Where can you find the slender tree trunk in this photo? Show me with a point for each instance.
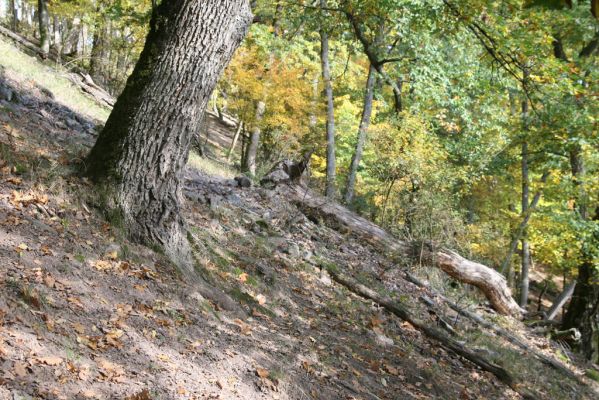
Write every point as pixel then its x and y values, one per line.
pixel 330 190
pixel 583 310
pixel 524 271
pixel 96 60
pixel 44 26
pixel 252 151
pixel 138 159
pixel 525 265
pixel 234 141
pixel 561 300
pixel 57 37
pixel 71 43
pixel 14 20
pixel 506 265
pixel 362 132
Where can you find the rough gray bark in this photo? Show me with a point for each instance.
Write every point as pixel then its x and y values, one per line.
pixel 330 188
pixel 44 26
pixel 362 132
pixel 252 151
pixel 138 159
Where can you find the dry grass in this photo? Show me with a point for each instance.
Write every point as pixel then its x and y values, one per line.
pixel 23 68
pixel 211 167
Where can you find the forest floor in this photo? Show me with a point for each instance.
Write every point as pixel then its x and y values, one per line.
pixel 85 314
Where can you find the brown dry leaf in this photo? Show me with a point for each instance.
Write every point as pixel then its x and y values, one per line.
pixel 143 395
pixel 307 365
pixel 261 299
pixel 20 369
pixel 14 180
pixel 262 372
pixel 50 360
pixel 112 338
pixel 102 265
pixel 79 328
pixel 75 301
pixel 245 328
pixel 49 281
pixel 90 394
pixel 109 369
pixel 46 251
pixel 258 314
pixel 21 247
pixel 49 322
pixel 375 321
pixel 139 288
pixel 391 369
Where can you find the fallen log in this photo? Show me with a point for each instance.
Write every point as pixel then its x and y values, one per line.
pixel 431 332
pixel 545 359
pixel 489 281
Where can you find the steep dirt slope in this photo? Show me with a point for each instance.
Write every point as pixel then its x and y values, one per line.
pixel 84 314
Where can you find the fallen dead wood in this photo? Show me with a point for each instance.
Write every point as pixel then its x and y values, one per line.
pixel 431 332
pixel 87 85
pixel 489 281
pixel 553 363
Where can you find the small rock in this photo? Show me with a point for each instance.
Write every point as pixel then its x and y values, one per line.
pixel 293 250
pixel 243 181
pixel 6 93
pixel 234 199
pixel 214 201
pixel 383 340
pixel 325 279
pixel 71 123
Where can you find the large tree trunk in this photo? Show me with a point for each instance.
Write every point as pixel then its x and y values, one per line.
pixel 44 26
pixel 330 189
pixel 362 131
pixel 138 159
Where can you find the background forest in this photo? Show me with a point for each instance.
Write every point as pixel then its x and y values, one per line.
pixel 468 123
